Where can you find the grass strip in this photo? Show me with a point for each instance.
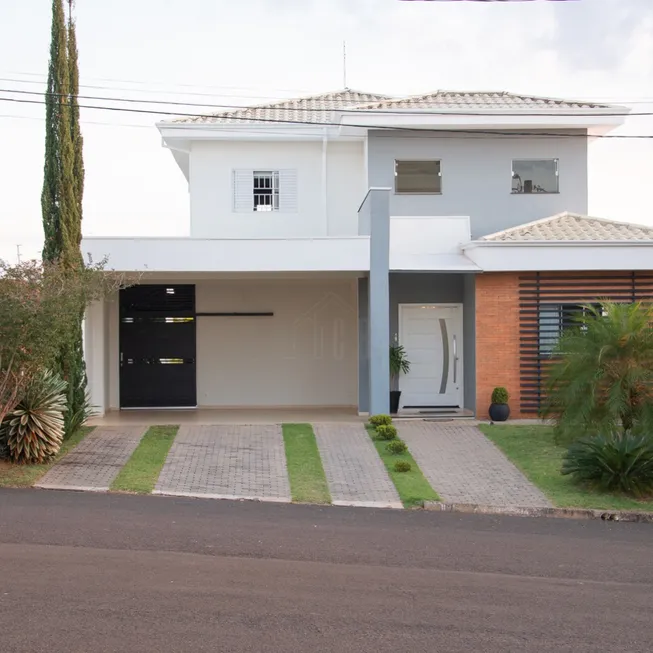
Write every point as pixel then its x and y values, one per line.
pixel 142 470
pixel 12 475
pixel 308 482
pixel 412 486
pixel 534 451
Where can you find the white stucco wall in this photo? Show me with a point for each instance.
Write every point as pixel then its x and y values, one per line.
pixel 319 213
pixel 304 355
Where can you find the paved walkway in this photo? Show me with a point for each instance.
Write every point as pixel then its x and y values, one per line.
pixel 96 461
pixel 227 461
pixel 355 473
pixel 463 466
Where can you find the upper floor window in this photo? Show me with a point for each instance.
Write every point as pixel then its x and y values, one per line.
pixel 418 177
pixel 264 190
pixel 535 176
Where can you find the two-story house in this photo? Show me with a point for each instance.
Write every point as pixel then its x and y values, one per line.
pixel 325 228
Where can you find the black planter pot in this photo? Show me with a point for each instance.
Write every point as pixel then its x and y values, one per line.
pixel 499 412
pixel 394 401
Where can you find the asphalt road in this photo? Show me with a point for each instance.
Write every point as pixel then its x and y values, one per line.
pixel 84 573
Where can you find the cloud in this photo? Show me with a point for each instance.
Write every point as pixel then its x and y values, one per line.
pixel 593 34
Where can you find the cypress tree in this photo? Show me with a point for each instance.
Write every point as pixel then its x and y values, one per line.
pixel 63 186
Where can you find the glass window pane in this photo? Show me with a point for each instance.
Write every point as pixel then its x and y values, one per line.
pixel 418 177
pixel 535 176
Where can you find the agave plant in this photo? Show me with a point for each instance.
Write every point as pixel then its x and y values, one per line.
pixel 35 427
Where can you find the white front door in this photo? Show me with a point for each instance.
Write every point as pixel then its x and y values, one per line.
pixel 432 338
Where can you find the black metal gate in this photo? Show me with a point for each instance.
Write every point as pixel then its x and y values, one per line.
pixel 157 346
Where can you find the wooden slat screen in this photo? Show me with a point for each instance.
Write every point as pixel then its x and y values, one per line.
pixel 539 289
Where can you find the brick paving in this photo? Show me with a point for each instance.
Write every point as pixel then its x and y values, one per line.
pixel 227 461
pixel 96 461
pixel 463 466
pixel 355 473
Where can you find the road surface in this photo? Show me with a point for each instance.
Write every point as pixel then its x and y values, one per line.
pixel 85 573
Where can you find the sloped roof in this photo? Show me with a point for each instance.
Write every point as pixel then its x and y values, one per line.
pixel 570 227
pixel 322 109
pixel 480 101
pixel 314 109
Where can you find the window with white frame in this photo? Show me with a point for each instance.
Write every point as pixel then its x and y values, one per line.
pixel 264 190
pixel 418 177
pixel 532 176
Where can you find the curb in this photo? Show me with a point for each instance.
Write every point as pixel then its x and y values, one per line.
pixel 556 513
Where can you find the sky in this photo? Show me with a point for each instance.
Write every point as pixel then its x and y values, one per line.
pixel 227 52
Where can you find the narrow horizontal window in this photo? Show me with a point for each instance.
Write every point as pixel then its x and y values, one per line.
pixel 533 176
pixel 418 177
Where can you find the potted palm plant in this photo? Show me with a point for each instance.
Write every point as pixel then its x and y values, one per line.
pixel 499 410
pixel 399 364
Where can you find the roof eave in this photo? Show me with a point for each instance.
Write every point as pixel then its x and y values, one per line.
pixel 558 243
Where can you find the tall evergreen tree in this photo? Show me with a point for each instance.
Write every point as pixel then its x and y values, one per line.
pixel 57 132
pixel 63 187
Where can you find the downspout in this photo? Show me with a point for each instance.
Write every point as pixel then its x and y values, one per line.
pixel 325 197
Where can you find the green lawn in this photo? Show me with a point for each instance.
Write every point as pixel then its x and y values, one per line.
pixel 142 470
pixel 308 482
pixel 26 475
pixel 412 487
pixel 534 451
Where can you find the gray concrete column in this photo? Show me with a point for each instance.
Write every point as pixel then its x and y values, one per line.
pixel 379 300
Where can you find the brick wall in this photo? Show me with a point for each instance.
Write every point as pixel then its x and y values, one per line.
pixel 497 338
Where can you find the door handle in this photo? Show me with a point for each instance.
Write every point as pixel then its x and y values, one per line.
pixel 455 360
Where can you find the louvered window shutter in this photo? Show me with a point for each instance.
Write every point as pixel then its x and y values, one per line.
pixel 288 191
pixel 243 191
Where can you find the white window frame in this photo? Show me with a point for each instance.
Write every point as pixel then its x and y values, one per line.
pixel 414 160
pixel 275 185
pixel 556 163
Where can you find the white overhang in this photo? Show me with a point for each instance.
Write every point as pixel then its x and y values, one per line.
pixel 550 255
pixel 596 121
pixel 230 255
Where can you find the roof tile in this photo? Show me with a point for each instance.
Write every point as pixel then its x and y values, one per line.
pixel 568 227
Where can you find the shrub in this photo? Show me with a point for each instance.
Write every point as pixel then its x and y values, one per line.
pixel 601 377
pixel 4 446
pixel 615 462
pixel 386 432
pixel 402 466
pixel 75 419
pixel 396 447
pixel 500 395
pixel 380 420
pixel 35 427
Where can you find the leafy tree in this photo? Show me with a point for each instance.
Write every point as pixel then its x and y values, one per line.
pixel 40 304
pixel 601 376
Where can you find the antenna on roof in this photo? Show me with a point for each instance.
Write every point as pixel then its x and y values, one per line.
pixel 344 64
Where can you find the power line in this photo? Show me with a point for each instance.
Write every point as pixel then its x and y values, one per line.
pixel 351 110
pixel 475 132
pixel 303 92
pixel 174 84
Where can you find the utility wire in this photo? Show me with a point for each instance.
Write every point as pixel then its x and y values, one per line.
pixel 474 132
pixel 351 110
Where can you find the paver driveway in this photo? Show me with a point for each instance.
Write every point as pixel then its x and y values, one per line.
pixel 227 461
pixel 96 461
pixel 355 473
pixel 463 466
